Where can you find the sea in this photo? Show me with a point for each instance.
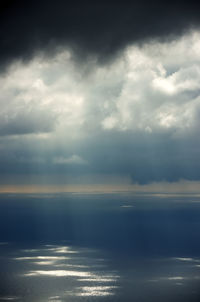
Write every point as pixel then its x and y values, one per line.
pixel 100 247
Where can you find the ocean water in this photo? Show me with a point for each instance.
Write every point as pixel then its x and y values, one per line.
pixel 99 247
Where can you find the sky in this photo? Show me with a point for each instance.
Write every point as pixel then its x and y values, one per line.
pixel 101 94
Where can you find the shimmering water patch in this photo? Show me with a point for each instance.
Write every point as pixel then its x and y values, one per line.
pixel 54 273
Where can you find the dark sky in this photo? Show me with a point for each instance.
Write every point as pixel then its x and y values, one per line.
pixel 100 28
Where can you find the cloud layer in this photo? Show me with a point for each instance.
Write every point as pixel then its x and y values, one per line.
pixel 135 117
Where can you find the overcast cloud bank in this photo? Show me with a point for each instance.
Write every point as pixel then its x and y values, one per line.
pixel 136 116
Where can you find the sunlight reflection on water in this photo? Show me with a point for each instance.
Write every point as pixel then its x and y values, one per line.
pixel 83 275
pixel 81 271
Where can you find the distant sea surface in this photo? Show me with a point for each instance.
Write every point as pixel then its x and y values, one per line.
pixel 99 247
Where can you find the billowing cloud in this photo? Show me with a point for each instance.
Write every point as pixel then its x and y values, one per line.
pixel 135 117
pixel 26 121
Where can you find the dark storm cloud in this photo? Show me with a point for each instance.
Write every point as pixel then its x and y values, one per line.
pixel 99 28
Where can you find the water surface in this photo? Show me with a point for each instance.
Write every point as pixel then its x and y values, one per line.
pixel 99 247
